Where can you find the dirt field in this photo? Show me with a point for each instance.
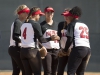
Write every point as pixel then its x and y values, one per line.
pixel 9 73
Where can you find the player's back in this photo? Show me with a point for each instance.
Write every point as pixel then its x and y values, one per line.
pixel 81 34
pixel 27 35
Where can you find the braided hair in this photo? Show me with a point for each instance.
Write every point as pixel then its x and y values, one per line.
pixel 32 10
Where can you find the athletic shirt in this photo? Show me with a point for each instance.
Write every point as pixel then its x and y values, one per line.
pixel 49 30
pixel 28 30
pixel 62 32
pixel 15 32
pixel 79 32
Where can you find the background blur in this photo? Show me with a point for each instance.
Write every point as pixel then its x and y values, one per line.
pixel 90 16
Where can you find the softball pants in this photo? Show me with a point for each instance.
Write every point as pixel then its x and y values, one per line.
pixel 78 60
pixel 62 64
pixel 14 52
pixel 50 62
pixel 31 61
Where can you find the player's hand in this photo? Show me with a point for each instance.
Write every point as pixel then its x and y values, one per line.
pixel 61 53
pixel 43 51
pixel 68 52
pixel 55 37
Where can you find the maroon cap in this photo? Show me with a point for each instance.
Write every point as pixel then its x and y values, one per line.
pixel 64 13
pixel 49 9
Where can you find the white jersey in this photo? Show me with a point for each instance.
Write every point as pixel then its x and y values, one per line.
pixel 27 35
pixel 64 39
pixel 15 29
pixel 50 44
pixel 81 35
pixel 12 42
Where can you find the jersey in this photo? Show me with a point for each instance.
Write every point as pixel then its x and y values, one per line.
pixel 15 28
pixel 12 42
pixel 62 32
pixel 80 33
pixel 48 31
pixel 28 30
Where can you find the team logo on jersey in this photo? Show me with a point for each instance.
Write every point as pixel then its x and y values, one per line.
pixel 49 33
pixel 51 44
pixel 63 32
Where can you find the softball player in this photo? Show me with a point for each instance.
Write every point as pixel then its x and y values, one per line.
pixel 30 55
pixel 15 41
pixel 62 31
pixel 78 33
pixel 49 28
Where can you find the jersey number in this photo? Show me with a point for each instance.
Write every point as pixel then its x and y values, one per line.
pixel 84 30
pixel 24 33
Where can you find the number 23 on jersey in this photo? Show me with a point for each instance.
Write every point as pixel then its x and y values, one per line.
pixel 84 32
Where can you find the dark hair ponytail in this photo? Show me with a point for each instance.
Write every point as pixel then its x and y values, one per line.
pixel 31 11
pixel 76 11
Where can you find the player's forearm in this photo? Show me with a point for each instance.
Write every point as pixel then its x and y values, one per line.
pixel 16 38
pixel 59 32
pixel 44 40
pixel 68 43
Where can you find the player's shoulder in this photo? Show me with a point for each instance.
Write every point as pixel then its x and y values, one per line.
pixel 81 23
pixel 43 23
pixel 34 23
pixel 73 23
pixel 17 21
pixel 55 23
pixel 61 23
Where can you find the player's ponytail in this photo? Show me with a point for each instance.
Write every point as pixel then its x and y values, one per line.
pixel 32 10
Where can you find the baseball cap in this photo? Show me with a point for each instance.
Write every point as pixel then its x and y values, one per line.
pixel 38 12
pixel 49 9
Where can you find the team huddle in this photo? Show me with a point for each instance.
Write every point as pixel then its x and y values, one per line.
pixel 49 44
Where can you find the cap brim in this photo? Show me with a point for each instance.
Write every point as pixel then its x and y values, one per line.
pixel 41 14
pixel 63 14
pixel 66 15
pixel 51 10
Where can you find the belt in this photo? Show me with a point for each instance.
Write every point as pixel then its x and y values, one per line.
pixel 52 49
pixel 28 47
pixel 13 46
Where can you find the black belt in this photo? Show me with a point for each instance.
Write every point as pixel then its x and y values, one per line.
pixel 52 49
pixel 29 47
pixel 12 46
